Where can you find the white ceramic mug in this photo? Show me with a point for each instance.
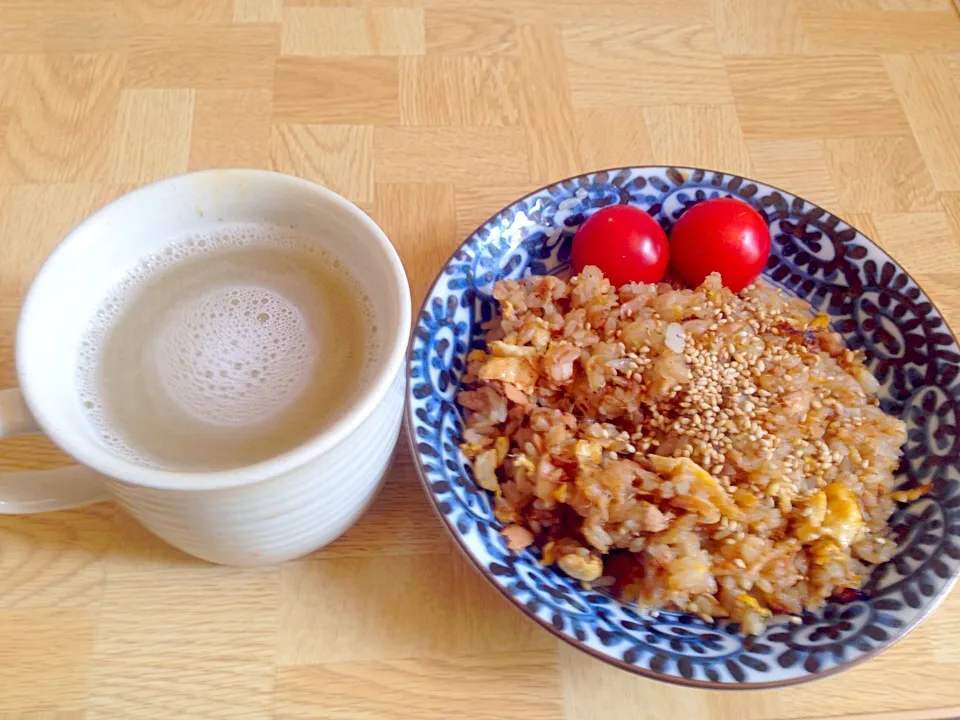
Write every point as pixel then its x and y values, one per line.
pixel 263 513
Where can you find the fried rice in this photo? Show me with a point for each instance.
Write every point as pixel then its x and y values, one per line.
pixel 698 450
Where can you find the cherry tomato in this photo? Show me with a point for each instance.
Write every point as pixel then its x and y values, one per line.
pixel 624 242
pixel 721 235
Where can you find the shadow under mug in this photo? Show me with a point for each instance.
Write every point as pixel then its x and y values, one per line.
pixel 264 513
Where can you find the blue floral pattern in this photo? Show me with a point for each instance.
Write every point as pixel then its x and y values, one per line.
pixel 874 303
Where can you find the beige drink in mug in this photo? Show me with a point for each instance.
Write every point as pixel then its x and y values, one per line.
pixel 222 352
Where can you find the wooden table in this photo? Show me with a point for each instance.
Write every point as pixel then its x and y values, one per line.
pixel 430 114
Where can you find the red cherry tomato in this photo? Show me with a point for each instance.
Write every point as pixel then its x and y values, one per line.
pixel 721 235
pixel 624 242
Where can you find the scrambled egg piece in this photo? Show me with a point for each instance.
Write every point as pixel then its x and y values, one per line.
pixel 843 521
pixel 834 522
pixel 820 321
pixel 824 550
pixel 485 471
pixel 581 568
pixel 524 463
pixel 588 452
pixel 676 467
pixel 501 445
pixel 498 348
pixel 514 370
pixel 701 506
pixel 692 574
pixel 505 514
pixel 546 553
pixel 751 602
pixel 745 498
pixel 470 449
pixel 911 494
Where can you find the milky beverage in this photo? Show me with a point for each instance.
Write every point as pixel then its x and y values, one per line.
pixel 225 349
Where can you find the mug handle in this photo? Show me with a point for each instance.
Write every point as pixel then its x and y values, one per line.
pixel 33 491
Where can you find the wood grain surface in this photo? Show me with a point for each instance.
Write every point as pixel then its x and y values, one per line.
pixel 431 114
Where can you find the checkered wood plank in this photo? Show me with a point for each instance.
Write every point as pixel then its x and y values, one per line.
pixel 430 114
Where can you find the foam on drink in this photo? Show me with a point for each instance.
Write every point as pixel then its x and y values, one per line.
pixel 224 349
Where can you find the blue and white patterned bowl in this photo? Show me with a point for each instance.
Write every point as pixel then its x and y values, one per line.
pixel 872 301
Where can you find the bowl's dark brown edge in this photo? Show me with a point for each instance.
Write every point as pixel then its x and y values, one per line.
pixel 572 641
